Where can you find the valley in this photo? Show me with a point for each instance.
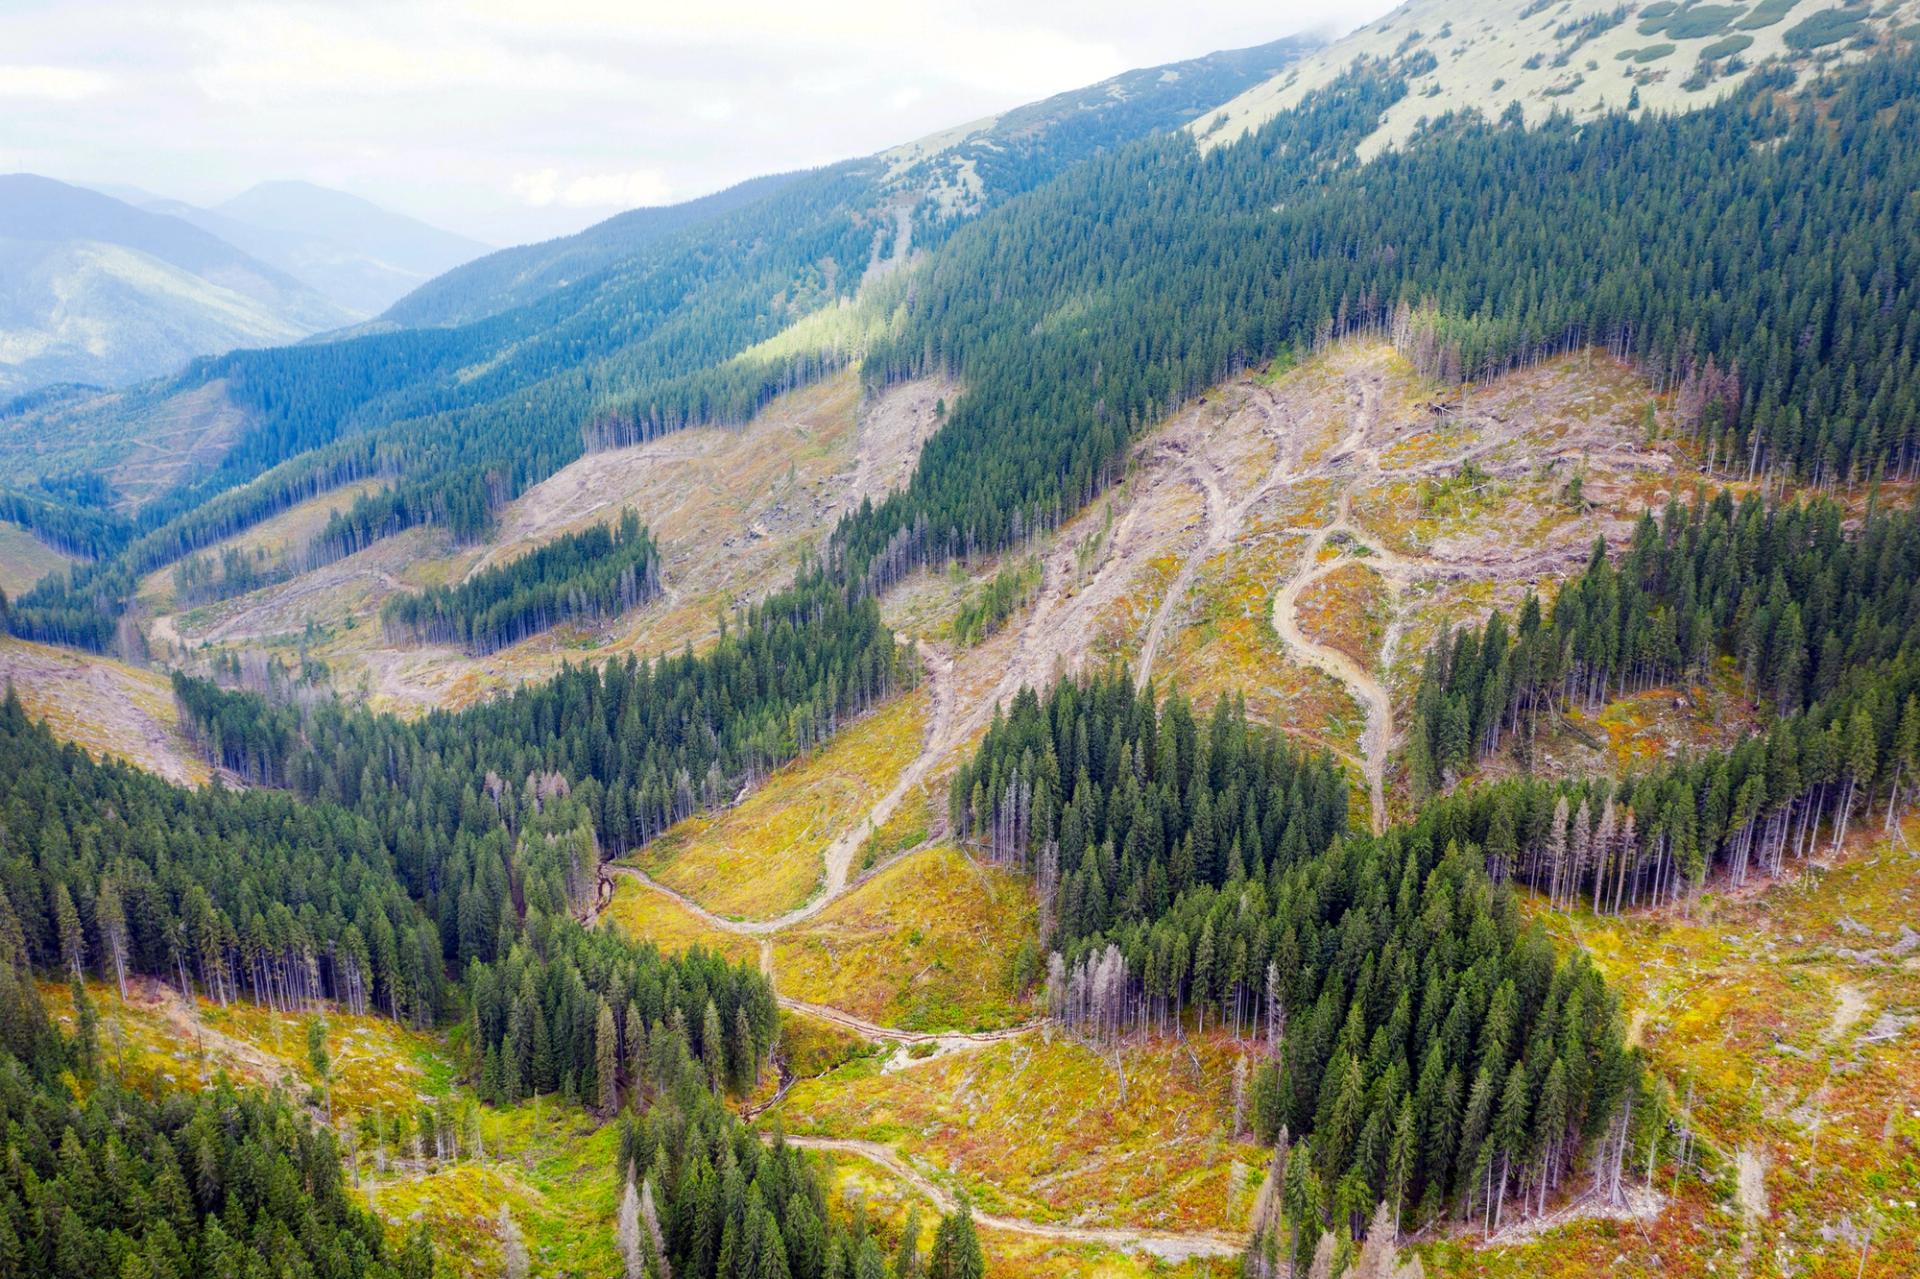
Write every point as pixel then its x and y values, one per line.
pixel 1303 675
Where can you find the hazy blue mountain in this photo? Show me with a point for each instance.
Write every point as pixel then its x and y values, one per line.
pixel 362 256
pixel 95 290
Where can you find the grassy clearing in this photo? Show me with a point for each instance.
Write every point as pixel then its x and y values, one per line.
pixel 811 1047
pixel 857 1186
pixel 155 1038
pixel 25 559
pixel 289 531
pixel 1348 610
pixel 763 856
pixel 552 1166
pixel 908 827
pixel 641 912
pixel 1230 644
pixel 1637 732
pixel 105 706
pixel 930 943
pixel 1788 1014
pixel 925 602
pixel 1044 1129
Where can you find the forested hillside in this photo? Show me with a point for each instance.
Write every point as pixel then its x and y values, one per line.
pixel 1189 701
pixel 599 573
pixel 1822 623
pixel 1434 1049
pixel 1166 272
pixel 470 415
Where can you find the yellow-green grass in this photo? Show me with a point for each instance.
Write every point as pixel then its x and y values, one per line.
pixel 25 559
pixel 1785 1015
pixel 908 827
pixel 924 603
pixel 157 1038
pixel 1347 610
pixel 1643 729
pixel 1636 732
pixel 929 943
pixel 290 531
pixel 1045 1129
pixel 552 1166
pixel 763 856
pixel 640 911
pixel 811 1046
pixel 376 1063
pixel 105 706
pixel 1229 644
pixel 856 1185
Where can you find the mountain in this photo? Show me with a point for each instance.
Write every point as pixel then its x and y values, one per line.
pixel 517 353
pixel 95 290
pixel 511 277
pixel 942 180
pixel 1579 57
pixel 351 250
pixel 1244 705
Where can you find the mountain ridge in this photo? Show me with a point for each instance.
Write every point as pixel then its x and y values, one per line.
pixel 94 290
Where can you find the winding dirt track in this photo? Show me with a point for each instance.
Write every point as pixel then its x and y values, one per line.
pixel 1224 523
pixel 887 1034
pixel 839 865
pixel 840 853
pixel 1377 741
pixel 1169 1246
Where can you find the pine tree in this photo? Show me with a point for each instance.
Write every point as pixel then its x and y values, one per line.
pixel 606 1060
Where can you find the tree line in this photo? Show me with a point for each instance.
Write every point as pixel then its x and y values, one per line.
pixel 1818 621
pixel 1421 1046
pixel 598 572
pixel 706 1198
pixel 1754 257
pixel 100 1178
pixel 642 743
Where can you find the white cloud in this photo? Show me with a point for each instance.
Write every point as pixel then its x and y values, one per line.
pixel 635 189
pixel 53 84
pixel 521 119
pixel 261 52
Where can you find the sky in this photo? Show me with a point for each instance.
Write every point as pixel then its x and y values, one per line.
pixel 517 120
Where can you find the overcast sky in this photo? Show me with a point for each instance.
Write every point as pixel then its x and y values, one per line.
pixel 512 120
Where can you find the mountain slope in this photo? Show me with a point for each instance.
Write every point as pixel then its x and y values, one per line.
pixel 95 290
pixel 511 277
pixel 953 173
pixel 1582 57
pixel 360 255
pixel 467 416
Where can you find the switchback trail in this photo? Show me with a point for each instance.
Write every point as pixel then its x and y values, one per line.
pixel 1173 1246
pixel 840 853
pixel 839 863
pixel 1377 741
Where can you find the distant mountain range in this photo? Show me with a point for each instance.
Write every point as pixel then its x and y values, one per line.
pixel 115 286
pixel 95 290
pixel 357 254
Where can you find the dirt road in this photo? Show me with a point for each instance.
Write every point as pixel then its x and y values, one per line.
pixel 1377 741
pixel 840 853
pixel 1168 1245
